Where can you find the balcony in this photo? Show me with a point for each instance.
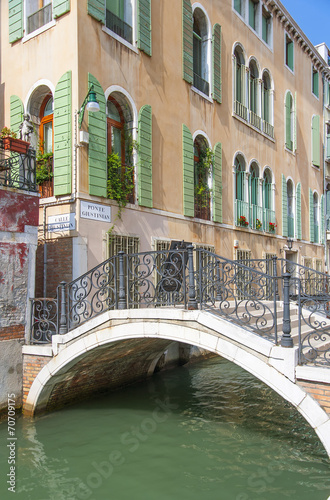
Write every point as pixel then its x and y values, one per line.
pixel 39 18
pixel 18 170
pixel 118 26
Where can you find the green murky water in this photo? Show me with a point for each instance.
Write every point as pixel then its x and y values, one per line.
pixel 207 431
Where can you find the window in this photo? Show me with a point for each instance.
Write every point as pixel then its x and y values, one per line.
pixel 46 125
pixel 238 6
pixel 268 200
pixel 266 26
pixel 239 83
pixel 289 121
pixel 315 82
pixel 316 148
pixel 327 147
pixel 38 13
pixel 316 215
pixel 256 216
pixel 253 14
pixel 254 117
pixel 267 105
pixel 202 178
pixel 241 204
pixel 120 144
pixel 290 208
pixel 201 44
pixel 289 52
pixel 119 18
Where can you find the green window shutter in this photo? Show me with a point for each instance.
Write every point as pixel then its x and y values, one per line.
pixel 15 20
pixel 187 41
pixel 288 134
pixel 322 219
pixel 289 53
pixel 328 144
pixel 16 113
pixel 216 61
pixel 62 135
pixel 188 172
pixel 298 211
pixel 295 123
pixel 96 9
pixel 316 153
pixel 311 216
pixel 144 26
pixel 217 183
pixel 60 7
pixel 97 150
pixel 284 207
pixel 145 156
pixel 316 83
pixel 251 14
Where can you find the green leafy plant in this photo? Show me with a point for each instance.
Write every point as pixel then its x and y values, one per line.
pixel 44 170
pixel 7 132
pixel 203 170
pixel 120 183
pixel 258 224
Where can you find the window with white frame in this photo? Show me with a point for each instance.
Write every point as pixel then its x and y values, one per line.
pixel 119 18
pixel 268 202
pixel 201 52
pixel 290 208
pixel 254 112
pixel 256 216
pixel 289 121
pixel 239 83
pixel 289 52
pixel 315 82
pixel 37 13
pixel 241 196
pixel 267 105
pixel 257 17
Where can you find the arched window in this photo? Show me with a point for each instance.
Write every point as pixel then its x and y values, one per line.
pixel 241 205
pixel 254 196
pixel 202 178
pixel 120 145
pixel 267 105
pixel 239 83
pixel 269 212
pixel 254 117
pixel 289 121
pixel 290 208
pixel 46 125
pixel 201 42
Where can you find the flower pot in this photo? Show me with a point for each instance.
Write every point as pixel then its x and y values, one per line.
pixel 16 145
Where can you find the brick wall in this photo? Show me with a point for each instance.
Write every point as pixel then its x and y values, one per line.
pixel 12 332
pixel 319 391
pixel 32 364
pixel 59 265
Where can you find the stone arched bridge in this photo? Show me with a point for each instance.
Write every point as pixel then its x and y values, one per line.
pixel 112 325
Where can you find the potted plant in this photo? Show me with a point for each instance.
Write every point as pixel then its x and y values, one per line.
pixel 10 141
pixel 272 226
pixel 44 173
pixel 242 221
pixel 258 224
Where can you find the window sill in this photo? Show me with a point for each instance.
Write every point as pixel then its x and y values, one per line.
pixel 120 39
pixel 206 97
pixel 293 153
pixel 40 30
pixel 288 68
pixel 316 96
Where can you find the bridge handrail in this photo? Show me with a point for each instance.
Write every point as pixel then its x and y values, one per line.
pixel 240 291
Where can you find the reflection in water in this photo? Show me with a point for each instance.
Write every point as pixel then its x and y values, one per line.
pixel 206 431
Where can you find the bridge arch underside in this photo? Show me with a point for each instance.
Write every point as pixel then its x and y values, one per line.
pixel 113 355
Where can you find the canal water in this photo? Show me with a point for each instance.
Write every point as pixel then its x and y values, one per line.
pixel 205 431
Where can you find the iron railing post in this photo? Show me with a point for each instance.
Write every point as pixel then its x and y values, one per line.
pixel 274 259
pixel 192 302
pixel 122 292
pixel 286 340
pixel 63 323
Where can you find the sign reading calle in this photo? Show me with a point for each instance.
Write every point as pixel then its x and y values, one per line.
pixel 94 211
pixel 62 222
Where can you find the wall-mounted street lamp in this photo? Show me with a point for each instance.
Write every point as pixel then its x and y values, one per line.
pixel 90 103
pixel 289 243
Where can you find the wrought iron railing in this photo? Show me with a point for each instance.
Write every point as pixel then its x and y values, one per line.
pixel 39 18
pixel 201 84
pixel 256 217
pixel 18 170
pixel 118 26
pixel 254 294
pixel 242 209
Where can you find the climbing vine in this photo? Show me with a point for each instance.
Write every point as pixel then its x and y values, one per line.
pixel 203 169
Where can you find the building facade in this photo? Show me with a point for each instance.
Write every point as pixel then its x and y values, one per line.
pixel 212 128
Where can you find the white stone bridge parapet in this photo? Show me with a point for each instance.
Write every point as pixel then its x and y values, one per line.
pixel 116 344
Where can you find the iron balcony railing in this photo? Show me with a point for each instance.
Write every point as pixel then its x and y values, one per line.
pixel 256 217
pixel 200 84
pixel 254 294
pixel 268 128
pixel 39 18
pixel 242 213
pixel 241 110
pixel 254 119
pixel 118 26
pixel 18 170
